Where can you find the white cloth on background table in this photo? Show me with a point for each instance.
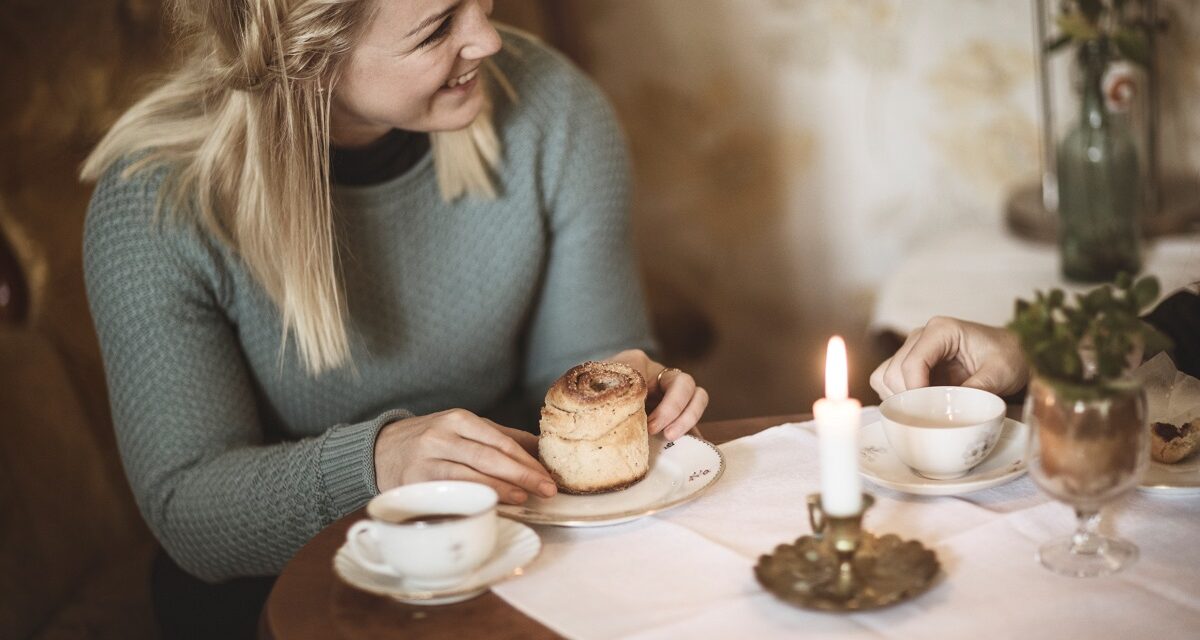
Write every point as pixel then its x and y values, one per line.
pixel 688 573
pixel 978 274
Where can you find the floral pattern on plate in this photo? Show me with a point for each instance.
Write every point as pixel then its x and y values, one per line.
pixel 679 472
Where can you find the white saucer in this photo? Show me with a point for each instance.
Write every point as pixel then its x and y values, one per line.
pixel 679 472
pixel 878 464
pixel 516 546
pixel 1179 479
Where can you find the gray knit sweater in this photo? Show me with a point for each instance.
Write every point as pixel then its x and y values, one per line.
pixel 236 455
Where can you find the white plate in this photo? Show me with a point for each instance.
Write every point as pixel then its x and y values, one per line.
pixel 679 471
pixel 1181 478
pixel 516 546
pixel 1006 462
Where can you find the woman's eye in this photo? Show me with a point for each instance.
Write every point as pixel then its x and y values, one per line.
pixel 438 34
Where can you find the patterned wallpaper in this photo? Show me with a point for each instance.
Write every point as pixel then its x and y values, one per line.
pixel 791 152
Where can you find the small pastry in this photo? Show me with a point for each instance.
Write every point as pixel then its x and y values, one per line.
pixel 593 429
pixel 1170 443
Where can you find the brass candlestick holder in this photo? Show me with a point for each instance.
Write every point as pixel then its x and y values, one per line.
pixel 841 567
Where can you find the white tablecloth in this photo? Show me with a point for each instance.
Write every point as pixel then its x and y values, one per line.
pixel 688 573
pixel 977 274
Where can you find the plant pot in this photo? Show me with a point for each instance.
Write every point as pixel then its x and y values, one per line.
pixel 1092 442
pixel 1088 444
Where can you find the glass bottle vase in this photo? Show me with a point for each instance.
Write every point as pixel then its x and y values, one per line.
pixel 1100 183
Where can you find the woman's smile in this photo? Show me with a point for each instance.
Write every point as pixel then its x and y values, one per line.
pixel 465 81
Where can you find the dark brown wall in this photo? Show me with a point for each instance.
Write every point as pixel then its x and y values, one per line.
pixel 70 68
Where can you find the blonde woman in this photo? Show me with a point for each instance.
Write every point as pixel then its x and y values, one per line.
pixel 322 251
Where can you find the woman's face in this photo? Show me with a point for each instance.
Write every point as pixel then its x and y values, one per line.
pixel 416 67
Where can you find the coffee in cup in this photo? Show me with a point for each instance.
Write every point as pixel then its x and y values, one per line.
pixel 942 432
pixel 432 534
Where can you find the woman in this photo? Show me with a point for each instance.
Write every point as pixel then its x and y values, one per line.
pixel 320 253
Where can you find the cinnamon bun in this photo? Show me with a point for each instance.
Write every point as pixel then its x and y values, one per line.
pixel 593 429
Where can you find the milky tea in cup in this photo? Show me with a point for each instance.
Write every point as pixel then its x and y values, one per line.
pixel 433 534
pixel 942 432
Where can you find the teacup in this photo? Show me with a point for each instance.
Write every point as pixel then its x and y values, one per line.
pixel 432 534
pixel 942 433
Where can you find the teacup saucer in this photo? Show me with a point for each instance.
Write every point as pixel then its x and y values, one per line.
pixel 516 546
pixel 878 464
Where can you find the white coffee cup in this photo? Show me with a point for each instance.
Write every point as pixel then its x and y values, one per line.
pixel 432 534
pixel 942 432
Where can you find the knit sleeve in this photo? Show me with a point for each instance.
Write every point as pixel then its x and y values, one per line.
pixel 591 303
pixel 220 499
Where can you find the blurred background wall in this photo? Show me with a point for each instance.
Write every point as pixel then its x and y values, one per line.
pixel 791 153
pixel 788 154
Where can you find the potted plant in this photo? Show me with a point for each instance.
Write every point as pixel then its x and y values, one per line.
pixel 1089 441
pixel 1100 173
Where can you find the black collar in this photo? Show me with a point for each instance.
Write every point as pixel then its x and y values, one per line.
pixel 386 158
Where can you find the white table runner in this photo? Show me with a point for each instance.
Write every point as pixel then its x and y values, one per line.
pixel 688 573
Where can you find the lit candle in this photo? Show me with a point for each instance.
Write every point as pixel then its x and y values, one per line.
pixel 837 417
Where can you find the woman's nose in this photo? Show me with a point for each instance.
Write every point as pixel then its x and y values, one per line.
pixel 480 38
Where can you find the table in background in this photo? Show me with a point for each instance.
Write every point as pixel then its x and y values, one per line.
pixel 977 274
pixel 310 601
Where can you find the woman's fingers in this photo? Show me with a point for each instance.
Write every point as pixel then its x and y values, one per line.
pixel 486 448
pixel 689 417
pixel 527 441
pixel 513 442
pixel 420 448
pixel 678 389
pixel 492 462
pixel 451 470
pixel 682 403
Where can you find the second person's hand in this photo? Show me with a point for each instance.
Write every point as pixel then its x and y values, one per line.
pixel 954 352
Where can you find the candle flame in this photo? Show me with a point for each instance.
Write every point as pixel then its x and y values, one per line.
pixel 836 375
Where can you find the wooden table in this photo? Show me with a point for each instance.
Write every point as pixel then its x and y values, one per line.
pixel 309 601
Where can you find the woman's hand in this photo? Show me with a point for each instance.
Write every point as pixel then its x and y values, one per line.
pixel 681 402
pixel 954 352
pixel 459 445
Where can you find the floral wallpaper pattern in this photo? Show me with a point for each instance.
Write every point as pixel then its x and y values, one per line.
pixel 789 153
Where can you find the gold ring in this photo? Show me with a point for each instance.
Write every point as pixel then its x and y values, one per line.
pixel 658 378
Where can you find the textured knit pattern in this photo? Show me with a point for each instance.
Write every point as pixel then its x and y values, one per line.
pixel 236 455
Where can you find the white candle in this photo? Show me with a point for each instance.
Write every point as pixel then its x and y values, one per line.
pixel 837 417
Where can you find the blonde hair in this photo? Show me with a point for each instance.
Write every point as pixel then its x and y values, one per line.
pixel 243 127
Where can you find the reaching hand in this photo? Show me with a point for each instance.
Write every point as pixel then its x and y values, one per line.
pixel 459 445
pixel 954 352
pixel 682 402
